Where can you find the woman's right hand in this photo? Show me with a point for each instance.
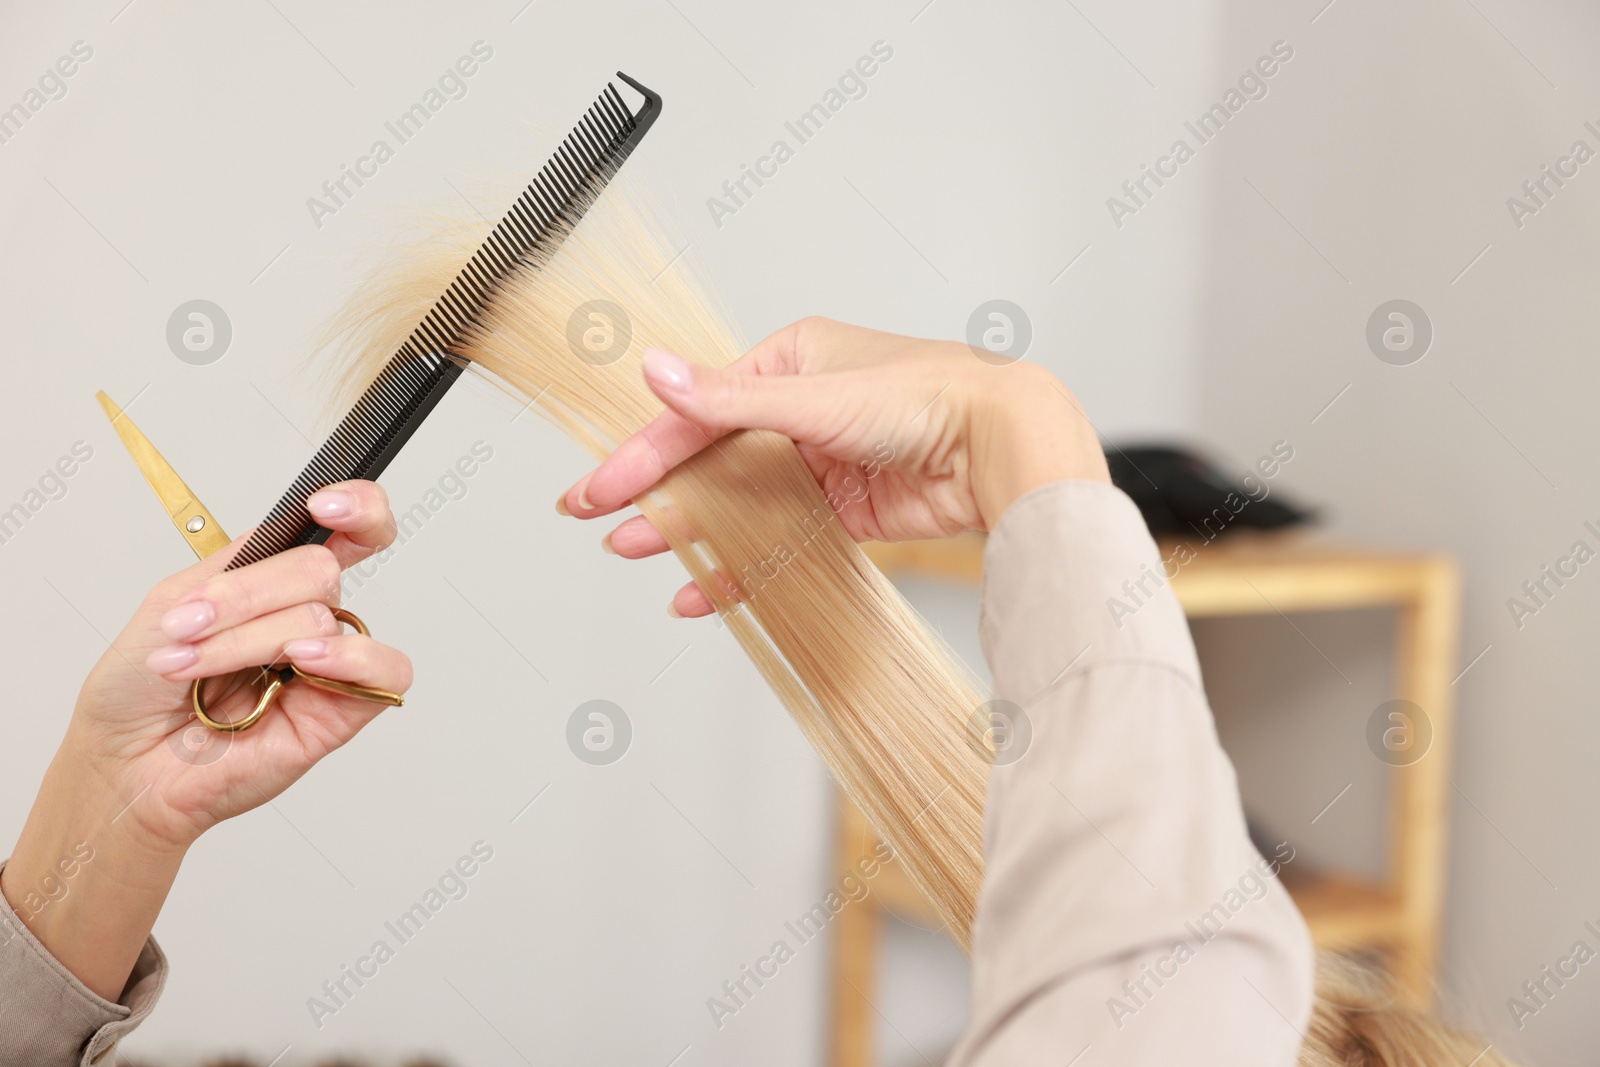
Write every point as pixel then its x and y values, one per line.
pixel 909 438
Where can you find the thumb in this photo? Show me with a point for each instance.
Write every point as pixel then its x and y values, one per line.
pixel 818 410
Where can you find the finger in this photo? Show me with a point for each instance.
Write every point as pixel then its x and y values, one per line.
pixel 358 513
pixel 172 588
pixel 635 539
pixel 222 601
pixel 669 439
pixel 814 409
pixel 353 658
pixel 250 644
pixel 634 466
pixel 705 403
pixel 690 603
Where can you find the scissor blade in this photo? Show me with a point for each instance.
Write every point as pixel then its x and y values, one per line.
pixel 194 522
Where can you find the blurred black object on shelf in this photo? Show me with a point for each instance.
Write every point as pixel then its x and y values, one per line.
pixel 1181 494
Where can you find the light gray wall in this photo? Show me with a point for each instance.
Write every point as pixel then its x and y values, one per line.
pixel 1380 169
pixel 977 166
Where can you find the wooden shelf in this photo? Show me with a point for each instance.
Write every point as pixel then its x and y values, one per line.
pixel 1249 574
pixel 1342 912
pixel 1246 574
pixel 1349 913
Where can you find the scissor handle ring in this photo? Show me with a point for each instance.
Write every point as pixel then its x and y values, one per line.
pixel 269 693
pixel 275 678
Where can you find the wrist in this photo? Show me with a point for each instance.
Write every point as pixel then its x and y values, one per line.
pixel 1030 433
pixel 86 878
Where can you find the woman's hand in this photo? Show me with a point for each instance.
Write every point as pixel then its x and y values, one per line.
pixel 133 720
pixel 137 778
pixel 943 441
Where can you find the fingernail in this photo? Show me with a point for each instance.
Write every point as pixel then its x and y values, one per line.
pixel 171 658
pixel 605 545
pixel 306 648
pixel 583 496
pixel 667 370
pixel 186 620
pixel 672 609
pixel 331 504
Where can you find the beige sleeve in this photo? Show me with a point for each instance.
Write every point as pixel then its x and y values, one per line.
pixel 1125 917
pixel 50 1019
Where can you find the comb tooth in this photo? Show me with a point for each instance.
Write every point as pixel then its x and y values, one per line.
pixel 571 141
pixel 530 218
pixel 545 200
pixel 555 177
pixel 460 308
pixel 489 257
pixel 475 272
pixel 599 121
pixel 513 223
pixel 588 137
pixel 608 103
pixel 503 256
pixel 611 104
pixel 572 166
pixel 435 337
pixel 614 99
pixel 529 205
pixel 591 138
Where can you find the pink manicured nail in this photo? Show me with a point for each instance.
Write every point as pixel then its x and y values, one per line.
pixel 583 497
pixel 306 648
pixel 606 545
pixel 672 609
pixel 331 504
pixel 186 620
pixel 667 370
pixel 171 658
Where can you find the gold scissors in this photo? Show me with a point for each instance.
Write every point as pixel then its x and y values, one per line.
pixel 204 534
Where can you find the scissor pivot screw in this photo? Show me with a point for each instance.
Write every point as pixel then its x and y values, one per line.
pixel 196 524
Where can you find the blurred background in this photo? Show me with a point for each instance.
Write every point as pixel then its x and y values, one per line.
pixel 1396 152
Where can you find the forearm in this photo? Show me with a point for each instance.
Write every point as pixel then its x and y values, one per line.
pixel 1120 880
pixel 84 878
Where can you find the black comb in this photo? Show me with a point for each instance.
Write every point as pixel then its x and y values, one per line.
pixel 418 375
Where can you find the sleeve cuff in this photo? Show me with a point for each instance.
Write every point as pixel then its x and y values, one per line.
pixel 50 1017
pixel 1072 579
